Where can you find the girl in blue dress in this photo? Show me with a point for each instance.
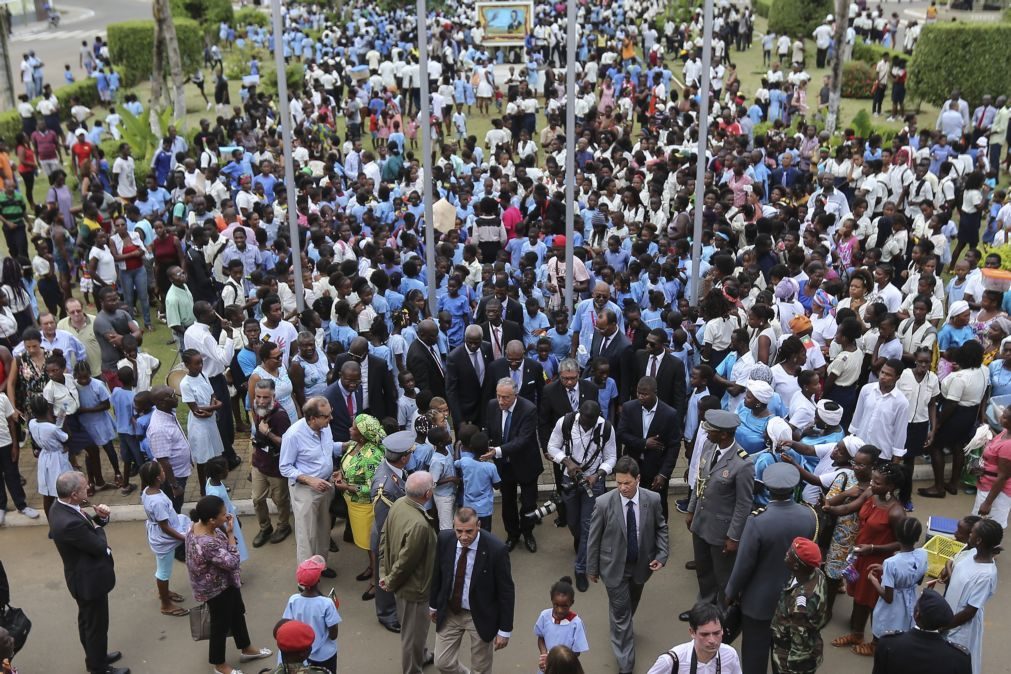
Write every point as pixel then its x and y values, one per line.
pixel 558 625
pixel 217 471
pixel 93 413
pixel 607 389
pixel 900 575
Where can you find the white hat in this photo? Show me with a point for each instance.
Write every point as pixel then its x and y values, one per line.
pixel 982 141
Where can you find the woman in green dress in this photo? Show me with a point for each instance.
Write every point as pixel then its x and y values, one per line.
pixel 362 455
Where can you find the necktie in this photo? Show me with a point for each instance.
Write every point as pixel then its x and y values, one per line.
pixel 603 345
pixel 351 405
pixel 574 399
pixel 652 369
pixel 505 426
pixel 515 375
pixel 478 370
pixel 716 459
pixel 456 601
pixel 438 360
pixel 632 534
pixel 496 342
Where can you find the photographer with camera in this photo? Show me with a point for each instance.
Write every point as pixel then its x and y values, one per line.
pixel 583 443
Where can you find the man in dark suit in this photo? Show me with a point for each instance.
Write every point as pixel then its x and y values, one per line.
pixel 467 557
pixel 649 431
pixel 348 386
pixel 511 309
pixel 625 562
pixel 511 424
pixel 88 568
pixel 669 372
pixel 466 372
pixel 526 373
pixel 379 393
pixel 497 332
pixel 560 397
pixel 424 360
pixel 610 343
pixel 786 175
pixel 923 648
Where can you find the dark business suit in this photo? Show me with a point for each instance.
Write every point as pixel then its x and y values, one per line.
pixel 383 392
pixel 90 574
pixel 633 439
pixel 785 177
pixel 670 383
pixel 464 389
pixel 428 374
pixel 916 652
pixel 340 421
pixel 616 353
pixel 520 463
pixel 491 598
pixel 511 331
pixel 531 379
pixel 512 310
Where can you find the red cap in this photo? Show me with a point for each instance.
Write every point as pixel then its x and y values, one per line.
pixel 807 551
pixel 294 637
pixel 559 240
pixel 309 571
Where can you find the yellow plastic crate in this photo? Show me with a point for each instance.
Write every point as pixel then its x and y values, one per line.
pixel 940 549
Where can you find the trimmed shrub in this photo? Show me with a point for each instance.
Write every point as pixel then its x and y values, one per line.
pixel 798 18
pixel 962 55
pixel 762 7
pixel 871 53
pixel 249 15
pixel 294 75
pixel 857 80
pixel 211 12
pixel 131 46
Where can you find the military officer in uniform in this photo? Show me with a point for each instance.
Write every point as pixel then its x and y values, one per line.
pixel 387 487
pixel 720 504
pixel 923 648
pixel 759 573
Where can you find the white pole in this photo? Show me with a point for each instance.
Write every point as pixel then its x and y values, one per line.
pixel 570 155
pixel 700 165
pixel 289 162
pixel 426 154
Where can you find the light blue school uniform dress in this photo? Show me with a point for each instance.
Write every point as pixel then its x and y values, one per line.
pixel 52 459
pixel 902 572
pixel 222 493
pixel 99 425
pixel 569 632
pixel 205 440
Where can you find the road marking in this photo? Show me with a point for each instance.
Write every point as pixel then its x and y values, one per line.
pixel 49 35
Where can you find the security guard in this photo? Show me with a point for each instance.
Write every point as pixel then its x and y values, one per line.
pixel 387 487
pixel 759 572
pixel 720 504
pixel 923 648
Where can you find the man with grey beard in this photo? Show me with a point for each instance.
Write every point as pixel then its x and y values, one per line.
pixel 269 421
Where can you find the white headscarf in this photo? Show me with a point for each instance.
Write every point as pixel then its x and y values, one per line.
pixel 853 444
pixel 761 390
pixel 778 431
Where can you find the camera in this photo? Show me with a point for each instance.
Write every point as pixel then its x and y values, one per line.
pixel 543 510
pixel 579 481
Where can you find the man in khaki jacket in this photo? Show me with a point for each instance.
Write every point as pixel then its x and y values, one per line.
pixel 408 544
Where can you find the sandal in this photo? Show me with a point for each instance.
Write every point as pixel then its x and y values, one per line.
pixel 370 593
pixel 128 489
pixel 848 640
pixel 866 648
pixel 118 480
pixel 176 597
pixel 178 611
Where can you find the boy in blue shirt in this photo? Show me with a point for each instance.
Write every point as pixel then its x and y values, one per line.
pixel 122 400
pixel 480 478
pixel 561 338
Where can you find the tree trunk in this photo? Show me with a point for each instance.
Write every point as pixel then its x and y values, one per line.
pixel 157 76
pixel 170 45
pixel 835 94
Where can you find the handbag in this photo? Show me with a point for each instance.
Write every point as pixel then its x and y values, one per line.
pixel 200 622
pixel 732 623
pixel 17 625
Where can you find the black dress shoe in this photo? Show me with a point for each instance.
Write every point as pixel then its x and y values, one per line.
pixel 113 656
pixel 560 522
pixel 117 670
pixel 530 542
pixel 683 617
pixel 393 627
pixel 582 584
pixel 234 462
pixel 262 537
pixel 511 543
pixel 329 573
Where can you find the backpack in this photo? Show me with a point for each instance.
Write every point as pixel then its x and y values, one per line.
pixel 601 435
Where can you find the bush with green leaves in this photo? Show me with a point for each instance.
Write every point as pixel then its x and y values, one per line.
pixel 971 57
pixel 762 7
pixel 871 53
pixel 798 18
pixel 131 46
pixel 857 80
pixel 207 12
pixel 86 91
pixel 250 15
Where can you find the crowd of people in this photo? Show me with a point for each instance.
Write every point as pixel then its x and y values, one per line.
pixel 847 323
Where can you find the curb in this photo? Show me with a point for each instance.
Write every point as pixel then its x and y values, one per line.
pixel 244 507
pixel 78 15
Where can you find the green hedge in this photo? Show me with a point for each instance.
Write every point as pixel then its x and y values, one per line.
pixel 131 46
pixel 762 7
pixel 294 75
pixel 951 55
pixel 211 12
pixel 249 15
pixel 857 80
pixel 871 53
pixel 798 18
pixel 86 90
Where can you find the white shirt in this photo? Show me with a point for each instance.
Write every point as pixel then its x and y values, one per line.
pixel 874 420
pixel 468 574
pixel 727 656
pixel 918 393
pixel 582 446
pixel 217 353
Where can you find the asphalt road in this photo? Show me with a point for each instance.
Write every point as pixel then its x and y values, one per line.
pixel 154 644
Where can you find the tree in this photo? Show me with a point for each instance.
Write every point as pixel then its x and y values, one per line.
pixel 166 49
pixel 798 18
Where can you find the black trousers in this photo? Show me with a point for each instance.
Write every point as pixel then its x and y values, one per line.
pixel 226 425
pixel 93 628
pixel 228 614
pixel 17 241
pixel 12 480
pixel 756 642
pixel 513 516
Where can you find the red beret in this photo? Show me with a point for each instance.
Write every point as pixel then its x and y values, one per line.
pixel 807 551
pixel 294 637
pixel 559 240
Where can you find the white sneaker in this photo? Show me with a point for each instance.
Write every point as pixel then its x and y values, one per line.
pixel 30 512
pixel 3 517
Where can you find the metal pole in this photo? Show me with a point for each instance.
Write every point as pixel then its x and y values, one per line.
pixel 7 95
pixel 700 163
pixel 289 162
pixel 570 155
pixel 426 155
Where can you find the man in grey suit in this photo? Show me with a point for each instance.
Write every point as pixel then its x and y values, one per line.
pixel 388 484
pixel 720 504
pixel 759 572
pixel 627 543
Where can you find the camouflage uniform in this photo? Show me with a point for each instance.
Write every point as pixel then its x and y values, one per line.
pixel 299 669
pixel 796 627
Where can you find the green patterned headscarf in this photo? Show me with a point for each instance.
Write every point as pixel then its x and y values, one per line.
pixel 370 428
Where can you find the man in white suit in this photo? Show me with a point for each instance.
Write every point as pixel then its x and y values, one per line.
pixel 627 543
